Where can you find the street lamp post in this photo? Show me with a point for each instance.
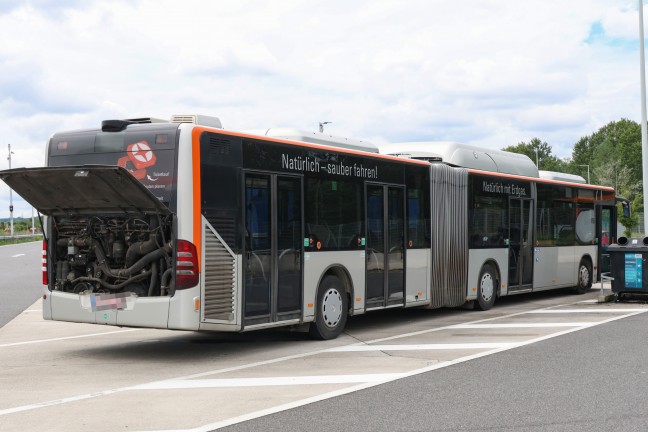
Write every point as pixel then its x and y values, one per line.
pixel 588 178
pixel 321 126
pixel 644 127
pixel 10 195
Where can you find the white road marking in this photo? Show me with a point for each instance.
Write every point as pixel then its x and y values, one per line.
pixel 521 325
pixel 65 338
pixel 59 401
pixel 423 347
pixel 585 310
pixel 269 381
pixel 16 256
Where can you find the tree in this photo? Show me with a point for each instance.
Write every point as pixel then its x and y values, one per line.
pixel 614 156
pixel 545 159
pixel 616 141
pixel 615 174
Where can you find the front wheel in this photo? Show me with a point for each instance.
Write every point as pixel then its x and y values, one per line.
pixel 331 309
pixel 584 277
pixel 487 288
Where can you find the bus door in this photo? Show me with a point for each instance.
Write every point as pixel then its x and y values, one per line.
pixel 606 234
pixel 273 248
pixel 520 244
pixel 385 253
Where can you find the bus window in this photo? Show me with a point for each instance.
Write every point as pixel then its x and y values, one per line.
pixel 334 214
pixel 585 218
pixel 489 221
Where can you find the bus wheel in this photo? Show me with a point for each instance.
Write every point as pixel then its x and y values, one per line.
pixel 584 277
pixel 487 289
pixel 331 309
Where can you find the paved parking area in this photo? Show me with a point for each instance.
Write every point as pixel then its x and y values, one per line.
pixel 76 377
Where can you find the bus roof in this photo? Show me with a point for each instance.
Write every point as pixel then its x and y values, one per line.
pixel 552 175
pixel 317 138
pixel 464 155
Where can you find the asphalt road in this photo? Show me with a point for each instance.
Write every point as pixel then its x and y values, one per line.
pixel 20 282
pixel 592 380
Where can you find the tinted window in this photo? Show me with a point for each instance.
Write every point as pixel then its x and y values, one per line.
pixel 585 217
pixel 148 152
pixel 489 222
pixel 418 209
pixel 334 214
pixel 545 217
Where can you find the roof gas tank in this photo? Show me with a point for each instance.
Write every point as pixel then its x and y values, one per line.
pixel 466 156
pixel 317 138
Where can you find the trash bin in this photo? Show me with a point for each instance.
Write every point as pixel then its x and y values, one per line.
pixel 628 266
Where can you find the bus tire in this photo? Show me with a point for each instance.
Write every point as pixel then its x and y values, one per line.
pixel 486 288
pixel 331 311
pixel 584 282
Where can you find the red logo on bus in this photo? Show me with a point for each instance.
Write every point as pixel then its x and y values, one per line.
pixel 139 157
pixel 141 154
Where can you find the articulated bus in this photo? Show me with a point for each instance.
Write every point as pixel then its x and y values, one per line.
pixel 184 225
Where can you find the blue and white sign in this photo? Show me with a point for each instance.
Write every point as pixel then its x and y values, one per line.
pixel 633 270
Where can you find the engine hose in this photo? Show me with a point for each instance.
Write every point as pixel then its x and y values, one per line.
pixel 109 286
pixel 139 265
pixel 135 268
pixel 166 280
pixel 154 276
pixel 140 248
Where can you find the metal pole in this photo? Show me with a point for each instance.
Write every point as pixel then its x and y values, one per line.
pixel 588 177
pixel 644 126
pixel 10 195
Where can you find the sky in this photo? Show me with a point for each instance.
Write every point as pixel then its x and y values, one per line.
pixel 491 73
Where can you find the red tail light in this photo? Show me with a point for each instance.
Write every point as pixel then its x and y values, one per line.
pixel 44 268
pixel 186 265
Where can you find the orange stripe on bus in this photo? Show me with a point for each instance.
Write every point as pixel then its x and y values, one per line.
pixel 319 147
pixel 539 180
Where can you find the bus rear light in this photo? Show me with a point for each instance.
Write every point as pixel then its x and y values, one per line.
pixel 186 265
pixel 44 266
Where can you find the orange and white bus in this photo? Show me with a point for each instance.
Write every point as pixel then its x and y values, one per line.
pixel 184 225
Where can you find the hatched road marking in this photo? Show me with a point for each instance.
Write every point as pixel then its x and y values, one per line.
pixel 435 345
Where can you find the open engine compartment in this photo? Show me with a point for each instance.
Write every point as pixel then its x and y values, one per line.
pixel 106 233
pixel 112 254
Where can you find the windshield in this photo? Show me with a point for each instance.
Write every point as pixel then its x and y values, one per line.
pixel 147 151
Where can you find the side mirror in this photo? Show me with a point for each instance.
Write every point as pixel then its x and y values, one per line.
pixel 626 209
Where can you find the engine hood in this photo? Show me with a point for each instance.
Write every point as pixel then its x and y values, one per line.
pixel 83 190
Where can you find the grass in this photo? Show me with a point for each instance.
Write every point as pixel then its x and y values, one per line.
pixel 16 240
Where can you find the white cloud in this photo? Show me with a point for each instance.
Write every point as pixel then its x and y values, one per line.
pixel 492 73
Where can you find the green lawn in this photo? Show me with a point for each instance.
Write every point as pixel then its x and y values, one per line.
pixel 17 240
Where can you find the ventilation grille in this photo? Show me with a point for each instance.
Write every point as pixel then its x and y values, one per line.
pixel 220 279
pixel 218 147
pixel 225 224
pixel 201 120
pixel 449 278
